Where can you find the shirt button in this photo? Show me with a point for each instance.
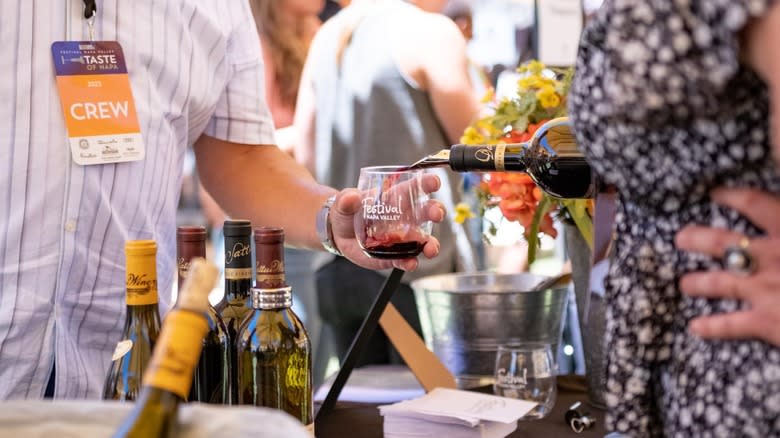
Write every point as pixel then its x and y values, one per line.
pixel 70 226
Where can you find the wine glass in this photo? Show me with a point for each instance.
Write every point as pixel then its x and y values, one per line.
pixel 527 372
pixel 392 223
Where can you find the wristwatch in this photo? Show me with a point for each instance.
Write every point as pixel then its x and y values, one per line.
pixel 324 229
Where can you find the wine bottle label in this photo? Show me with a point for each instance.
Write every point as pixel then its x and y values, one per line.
pixel 238 273
pixel 500 152
pixel 273 271
pixel 122 348
pixel 177 352
pixel 183 266
pixel 141 289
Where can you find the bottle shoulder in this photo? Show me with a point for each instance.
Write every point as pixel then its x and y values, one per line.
pixel 268 330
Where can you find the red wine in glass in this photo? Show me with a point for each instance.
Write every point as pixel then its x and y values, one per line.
pixel 392 247
pixel 392 223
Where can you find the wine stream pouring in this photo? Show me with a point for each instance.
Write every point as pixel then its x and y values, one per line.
pixel 551 158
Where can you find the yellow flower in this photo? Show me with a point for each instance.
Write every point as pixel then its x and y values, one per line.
pixel 490 94
pixel 472 136
pixel 463 212
pixel 527 82
pixel 533 67
pixel 548 97
pixel 535 81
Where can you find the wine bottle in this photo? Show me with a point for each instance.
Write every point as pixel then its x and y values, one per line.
pixel 169 376
pixel 235 304
pixel 211 382
pixel 142 323
pixel 550 158
pixel 274 351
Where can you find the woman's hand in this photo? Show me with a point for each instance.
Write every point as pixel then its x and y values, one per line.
pixel 761 289
pixel 342 219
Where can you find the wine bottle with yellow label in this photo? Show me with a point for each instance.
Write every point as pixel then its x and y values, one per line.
pixel 211 383
pixel 235 304
pixel 274 351
pixel 167 381
pixel 142 324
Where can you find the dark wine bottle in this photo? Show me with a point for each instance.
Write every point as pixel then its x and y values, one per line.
pixel 274 351
pixel 235 304
pixel 169 376
pixel 211 382
pixel 142 324
pixel 550 157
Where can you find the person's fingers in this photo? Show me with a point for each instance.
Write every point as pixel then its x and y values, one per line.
pixel 431 248
pixel 405 264
pixel 717 284
pixel 430 183
pixel 434 211
pixel 705 240
pixel 735 325
pixel 759 207
pixel 342 213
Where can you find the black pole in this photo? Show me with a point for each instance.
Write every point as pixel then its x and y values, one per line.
pixel 361 341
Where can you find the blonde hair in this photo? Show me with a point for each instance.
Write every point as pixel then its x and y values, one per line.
pixel 287 46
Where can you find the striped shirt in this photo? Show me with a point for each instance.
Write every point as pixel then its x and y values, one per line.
pixel 195 67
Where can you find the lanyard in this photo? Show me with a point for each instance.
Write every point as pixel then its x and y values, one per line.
pixel 90 12
pixel 90 9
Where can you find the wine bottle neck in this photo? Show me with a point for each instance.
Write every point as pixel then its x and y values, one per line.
pixel 237 290
pixel 498 157
pixel 272 298
pixel 142 318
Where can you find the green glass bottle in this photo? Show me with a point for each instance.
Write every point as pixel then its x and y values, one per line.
pixel 169 376
pixel 142 324
pixel 211 383
pixel 274 352
pixel 235 304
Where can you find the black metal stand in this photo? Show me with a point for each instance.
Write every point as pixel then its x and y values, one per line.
pixel 361 340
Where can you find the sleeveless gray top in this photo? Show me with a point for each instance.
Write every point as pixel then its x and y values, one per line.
pixel 369 113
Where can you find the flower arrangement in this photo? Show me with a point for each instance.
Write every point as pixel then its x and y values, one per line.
pixel 541 96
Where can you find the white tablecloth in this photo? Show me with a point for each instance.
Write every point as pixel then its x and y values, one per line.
pixel 87 419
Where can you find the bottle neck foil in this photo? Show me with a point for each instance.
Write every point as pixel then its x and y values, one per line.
pixel 271 298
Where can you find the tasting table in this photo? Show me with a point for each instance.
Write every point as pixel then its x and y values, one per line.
pixel 362 420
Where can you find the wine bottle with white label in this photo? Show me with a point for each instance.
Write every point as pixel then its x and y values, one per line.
pixel 142 325
pixel 169 376
pixel 559 24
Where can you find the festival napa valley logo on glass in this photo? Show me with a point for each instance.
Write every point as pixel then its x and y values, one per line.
pixel 240 255
pixel 505 378
pixel 374 209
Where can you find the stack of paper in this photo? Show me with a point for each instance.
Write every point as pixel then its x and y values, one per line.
pixel 455 414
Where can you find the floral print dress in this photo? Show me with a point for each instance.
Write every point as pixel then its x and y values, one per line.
pixel 664 111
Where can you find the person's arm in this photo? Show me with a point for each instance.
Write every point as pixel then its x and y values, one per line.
pixel 265 185
pixel 762 52
pixel 435 55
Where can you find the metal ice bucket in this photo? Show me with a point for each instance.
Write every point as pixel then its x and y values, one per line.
pixel 465 317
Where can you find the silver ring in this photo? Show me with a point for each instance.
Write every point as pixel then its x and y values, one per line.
pixel 738 259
